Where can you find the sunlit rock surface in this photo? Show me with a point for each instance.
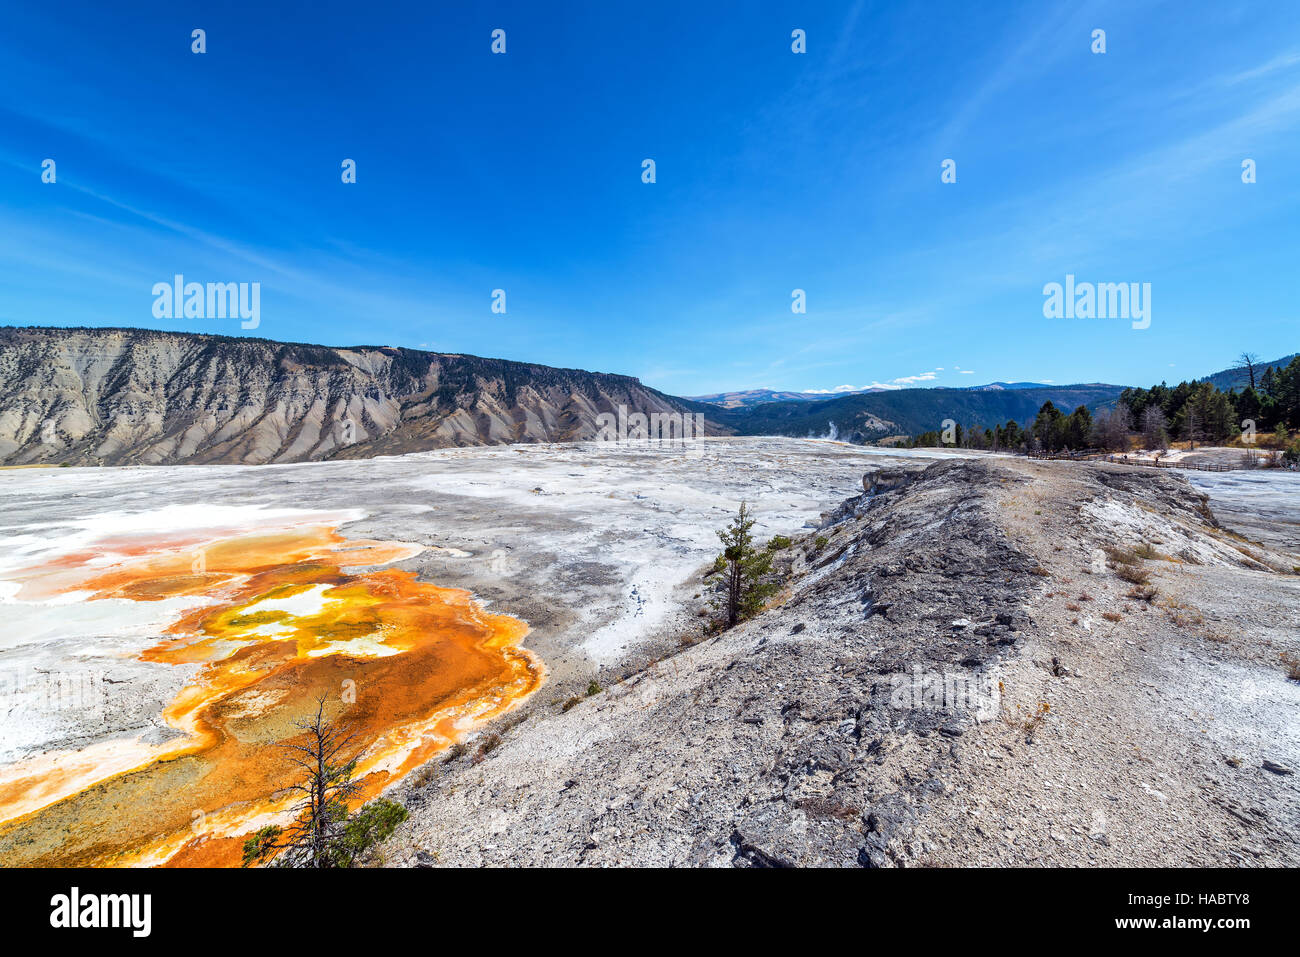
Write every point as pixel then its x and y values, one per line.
pixel 140 396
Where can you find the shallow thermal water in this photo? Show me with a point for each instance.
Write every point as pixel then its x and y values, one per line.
pixel 262 612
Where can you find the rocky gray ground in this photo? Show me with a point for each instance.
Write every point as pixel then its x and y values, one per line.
pixel 887 709
pixel 956 676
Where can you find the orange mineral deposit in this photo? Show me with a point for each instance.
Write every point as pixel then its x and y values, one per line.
pixel 289 615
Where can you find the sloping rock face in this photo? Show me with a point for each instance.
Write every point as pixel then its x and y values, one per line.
pixel 133 396
pixel 956 673
pixel 800 737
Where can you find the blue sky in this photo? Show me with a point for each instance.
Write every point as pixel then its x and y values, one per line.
pixel 775 171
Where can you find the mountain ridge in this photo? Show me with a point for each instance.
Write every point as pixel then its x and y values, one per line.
pixel 868 418
pixel 114 395
pixel 1238 377
pixel 143 396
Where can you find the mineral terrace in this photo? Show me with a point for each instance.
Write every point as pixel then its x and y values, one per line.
pixel 955 672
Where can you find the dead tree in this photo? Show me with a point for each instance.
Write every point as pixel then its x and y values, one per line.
pixel 316 837
pixel 1248 359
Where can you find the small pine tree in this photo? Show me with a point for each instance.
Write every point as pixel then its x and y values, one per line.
pixel 745 569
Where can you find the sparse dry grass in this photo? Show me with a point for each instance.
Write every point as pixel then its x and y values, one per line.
pixel 1146 593
pixel 1031 722
pixel 825 807
pixel 1120 556
pixel 1183 616
pixel 490 744
pixel 1133 574
pixel 424 775
pixel 1292 664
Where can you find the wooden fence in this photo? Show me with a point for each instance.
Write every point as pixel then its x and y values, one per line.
pixel 1157 464
pixel 1095 456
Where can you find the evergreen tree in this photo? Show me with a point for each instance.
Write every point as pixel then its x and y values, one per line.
pixel 1078 429
pixel 1049 427
pixel 745 568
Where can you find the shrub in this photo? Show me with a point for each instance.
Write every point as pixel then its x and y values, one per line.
pixel 1133 574
pixel 261 844
pixel 1292 665
pixel 747 571
pixel 778 543
pixel 372 824
pixel 593 687
pixel 1120 556
pixel 1035 719
pixel 489 745
pixel 1146 593
pixel 457 750
pixel 424 775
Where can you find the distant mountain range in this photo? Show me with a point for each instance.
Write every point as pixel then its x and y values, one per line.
pixel 136 396
pixel 750 397
pixel 867 417
pixel 998 386
pixel 871 415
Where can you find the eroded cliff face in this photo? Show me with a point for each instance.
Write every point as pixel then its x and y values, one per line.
pixel 134 396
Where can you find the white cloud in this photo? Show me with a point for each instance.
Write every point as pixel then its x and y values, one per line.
pixel 902 382
pixel 838 389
